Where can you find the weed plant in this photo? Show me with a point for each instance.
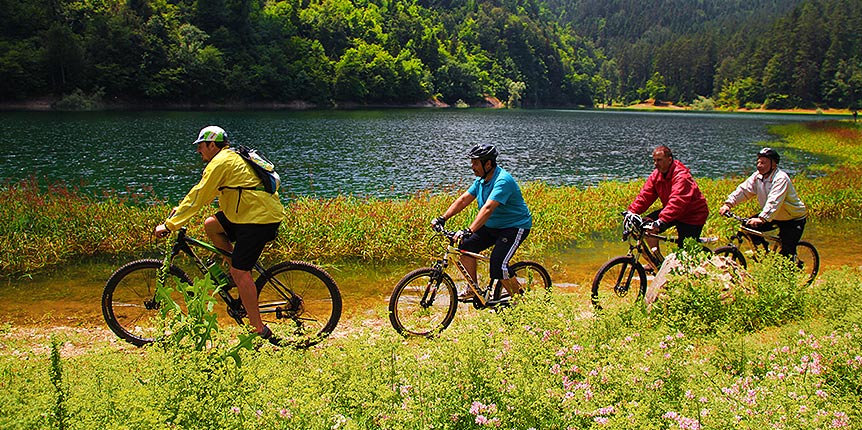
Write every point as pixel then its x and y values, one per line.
pixel 547 363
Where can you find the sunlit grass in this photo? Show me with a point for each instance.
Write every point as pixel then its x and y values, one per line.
pixel 786 356
pixel 547 363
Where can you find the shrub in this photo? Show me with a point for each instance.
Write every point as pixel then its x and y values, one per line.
pixel 703 104
pixel 772 295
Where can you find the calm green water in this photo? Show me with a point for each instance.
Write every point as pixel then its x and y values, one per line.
pixel 384 153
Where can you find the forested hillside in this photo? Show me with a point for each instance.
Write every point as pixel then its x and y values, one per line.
pixel 532 53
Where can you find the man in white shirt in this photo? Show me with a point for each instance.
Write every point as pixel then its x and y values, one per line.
pixel 780 205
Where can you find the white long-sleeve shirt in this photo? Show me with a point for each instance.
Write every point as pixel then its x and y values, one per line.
pixel 775 194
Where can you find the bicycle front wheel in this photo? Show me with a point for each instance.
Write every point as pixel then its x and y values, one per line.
pixel 299 302
pixel 732 253
pixel 423 303
pixel 620 283
pixel 129 302
pixel 808 259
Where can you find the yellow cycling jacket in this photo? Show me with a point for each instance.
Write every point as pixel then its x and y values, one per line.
pixel 241 206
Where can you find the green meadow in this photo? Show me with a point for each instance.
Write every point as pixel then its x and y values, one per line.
pixel 781 355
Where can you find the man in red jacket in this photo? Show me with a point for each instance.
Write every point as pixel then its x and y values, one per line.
pixel 683 205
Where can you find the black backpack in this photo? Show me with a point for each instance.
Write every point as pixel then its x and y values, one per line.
pixel 264 168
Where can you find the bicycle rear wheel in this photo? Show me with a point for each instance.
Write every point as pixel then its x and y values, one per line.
pixel 808 259
pixel 299 302
pixel 129 302
pixel 423 303
pixel 531 276
pixel 619 283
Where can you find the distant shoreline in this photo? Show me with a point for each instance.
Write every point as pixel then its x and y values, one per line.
pixel 45 104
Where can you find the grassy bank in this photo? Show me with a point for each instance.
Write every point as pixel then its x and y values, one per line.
pixel 783 356
pixel 786 358
pixel 49 225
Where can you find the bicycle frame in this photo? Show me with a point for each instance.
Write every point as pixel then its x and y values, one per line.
pixel 453 253
pixel 184 244
pixel 634 233
pixel 744 234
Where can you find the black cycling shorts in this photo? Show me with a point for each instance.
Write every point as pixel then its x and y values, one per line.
pixel 248 239
pixel 505 242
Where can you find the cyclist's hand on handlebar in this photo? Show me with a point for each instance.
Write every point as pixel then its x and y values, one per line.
pixel 438 223
pixel 724 209
pixel 754 222
pixel 161 231
pixel 654 227
pixel 463 234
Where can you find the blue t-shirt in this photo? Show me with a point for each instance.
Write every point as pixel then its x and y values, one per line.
pixel 512 211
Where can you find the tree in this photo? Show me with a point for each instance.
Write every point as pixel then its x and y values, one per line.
pixel 655 88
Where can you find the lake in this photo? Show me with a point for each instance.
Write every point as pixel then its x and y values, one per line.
pixel 381 153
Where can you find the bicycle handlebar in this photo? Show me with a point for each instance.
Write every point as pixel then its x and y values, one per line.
pixel 730 214
pixel 447 233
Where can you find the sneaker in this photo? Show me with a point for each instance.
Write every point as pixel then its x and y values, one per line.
pixel 267 334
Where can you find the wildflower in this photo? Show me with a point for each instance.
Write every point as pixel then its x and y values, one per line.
pixel 285 413
pixel 259 413
pixel 820 393
pixel 601 420
pixel 234 409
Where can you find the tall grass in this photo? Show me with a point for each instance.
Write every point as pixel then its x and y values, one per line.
pixel 546 364
pixel 48 225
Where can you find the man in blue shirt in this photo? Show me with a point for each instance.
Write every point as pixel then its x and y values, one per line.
pixel 503 221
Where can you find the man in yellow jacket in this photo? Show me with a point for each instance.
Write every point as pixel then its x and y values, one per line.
pixel 248 218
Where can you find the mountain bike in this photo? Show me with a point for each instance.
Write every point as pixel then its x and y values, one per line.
pixel 743 243
pixel 425 300
pixel 298 301
pixel 622 280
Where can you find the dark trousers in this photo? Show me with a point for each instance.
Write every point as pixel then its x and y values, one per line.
pixel 788 231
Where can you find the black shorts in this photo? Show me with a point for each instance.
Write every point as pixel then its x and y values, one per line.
pixel 505 242
pixel 248 239
pixel 683 230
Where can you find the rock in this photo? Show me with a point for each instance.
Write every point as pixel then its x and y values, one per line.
pixel 726 273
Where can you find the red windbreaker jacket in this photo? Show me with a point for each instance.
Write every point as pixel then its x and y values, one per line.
pixel 680 197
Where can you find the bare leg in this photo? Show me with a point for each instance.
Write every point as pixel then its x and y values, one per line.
pixel 248 295
pixel 512 286
pixel 242 278
pixel 470 264
pixel 653 244
pixel 216 234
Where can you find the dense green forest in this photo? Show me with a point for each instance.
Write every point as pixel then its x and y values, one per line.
pixel 533 53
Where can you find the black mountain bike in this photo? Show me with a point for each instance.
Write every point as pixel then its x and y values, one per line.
pixel 298 301
pixel 747 241
pixel 622 280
